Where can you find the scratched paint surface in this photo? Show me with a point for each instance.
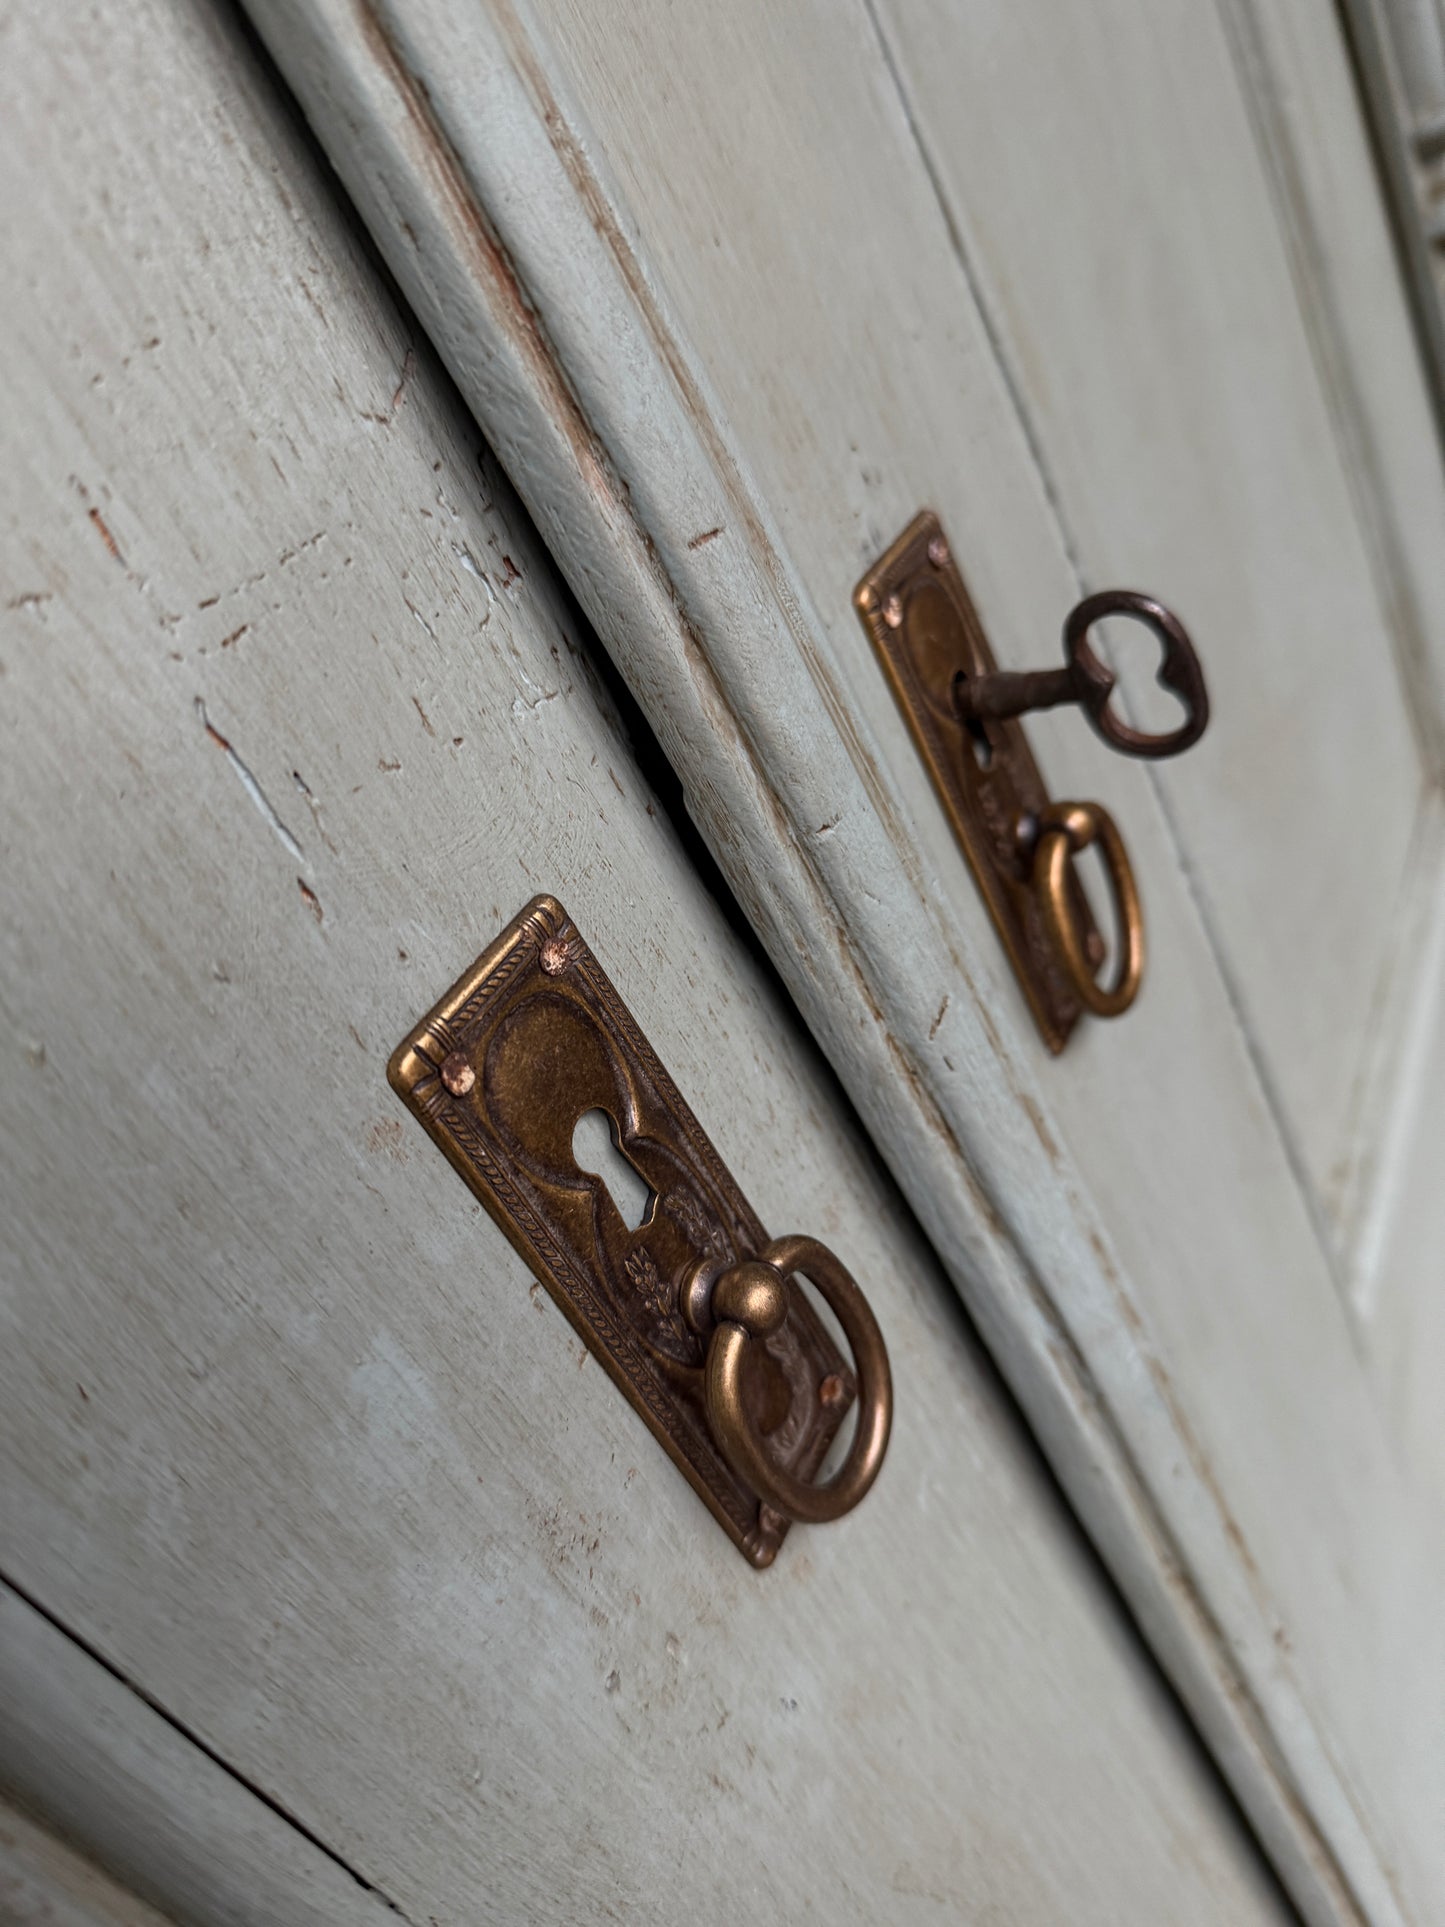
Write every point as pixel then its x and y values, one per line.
pixel 301 717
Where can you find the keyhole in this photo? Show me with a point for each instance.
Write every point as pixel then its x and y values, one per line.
pixel 978 737
pixel 975 730
pixel 595 1147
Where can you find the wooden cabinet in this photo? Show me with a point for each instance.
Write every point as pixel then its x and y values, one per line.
pixel 310 1492
pixel 328 1545
pixel 1116 296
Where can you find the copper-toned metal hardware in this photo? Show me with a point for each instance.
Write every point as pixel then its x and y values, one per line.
pixel 749 1302
pixel 963 712
pixel 696 1296
pixel 457 1074
pixel 1087 681
pixel 1065 829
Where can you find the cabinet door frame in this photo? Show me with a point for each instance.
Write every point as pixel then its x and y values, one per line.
pixel 481 185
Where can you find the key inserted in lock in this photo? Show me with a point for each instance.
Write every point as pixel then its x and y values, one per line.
pixel 965 717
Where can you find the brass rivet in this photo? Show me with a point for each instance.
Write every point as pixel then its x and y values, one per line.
pixel 893 612
pixel 831 1390
pixel 938 552
pixel 457 1073
pixel 553 956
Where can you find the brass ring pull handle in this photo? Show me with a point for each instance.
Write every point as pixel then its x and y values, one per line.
pixel 1088 681
pixel 1063 830
pixel 966 718
pixel 750 1300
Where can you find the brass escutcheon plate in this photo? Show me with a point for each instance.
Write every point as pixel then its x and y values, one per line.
pixel 926 630
pixel 519 1049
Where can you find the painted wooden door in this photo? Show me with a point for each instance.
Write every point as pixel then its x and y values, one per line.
pixel 735 293
pixel 340 1585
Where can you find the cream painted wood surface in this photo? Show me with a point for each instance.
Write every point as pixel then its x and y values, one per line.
pixel 82 1750
pixel 1286 428
pixel 1398 1276
pixel 695 277
pixel 1167 375
pixel 298 715
pixel 44 1883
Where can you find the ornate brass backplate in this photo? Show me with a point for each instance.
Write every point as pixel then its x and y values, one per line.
pixel 927 632
pixel 530 1039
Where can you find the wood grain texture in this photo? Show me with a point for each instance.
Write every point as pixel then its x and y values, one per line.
pixel 44 1883
pixel 1130 1235
pixel 301 716
pixel 1154 337
pixel 1369 1195
pixel 81 1749
pixel 1396 1281
pixel 1303 91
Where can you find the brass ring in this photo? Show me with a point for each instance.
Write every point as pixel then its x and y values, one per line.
pixel 1064 830
pixel 749 1301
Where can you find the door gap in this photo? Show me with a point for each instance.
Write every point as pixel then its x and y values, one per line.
pixel 118 1872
